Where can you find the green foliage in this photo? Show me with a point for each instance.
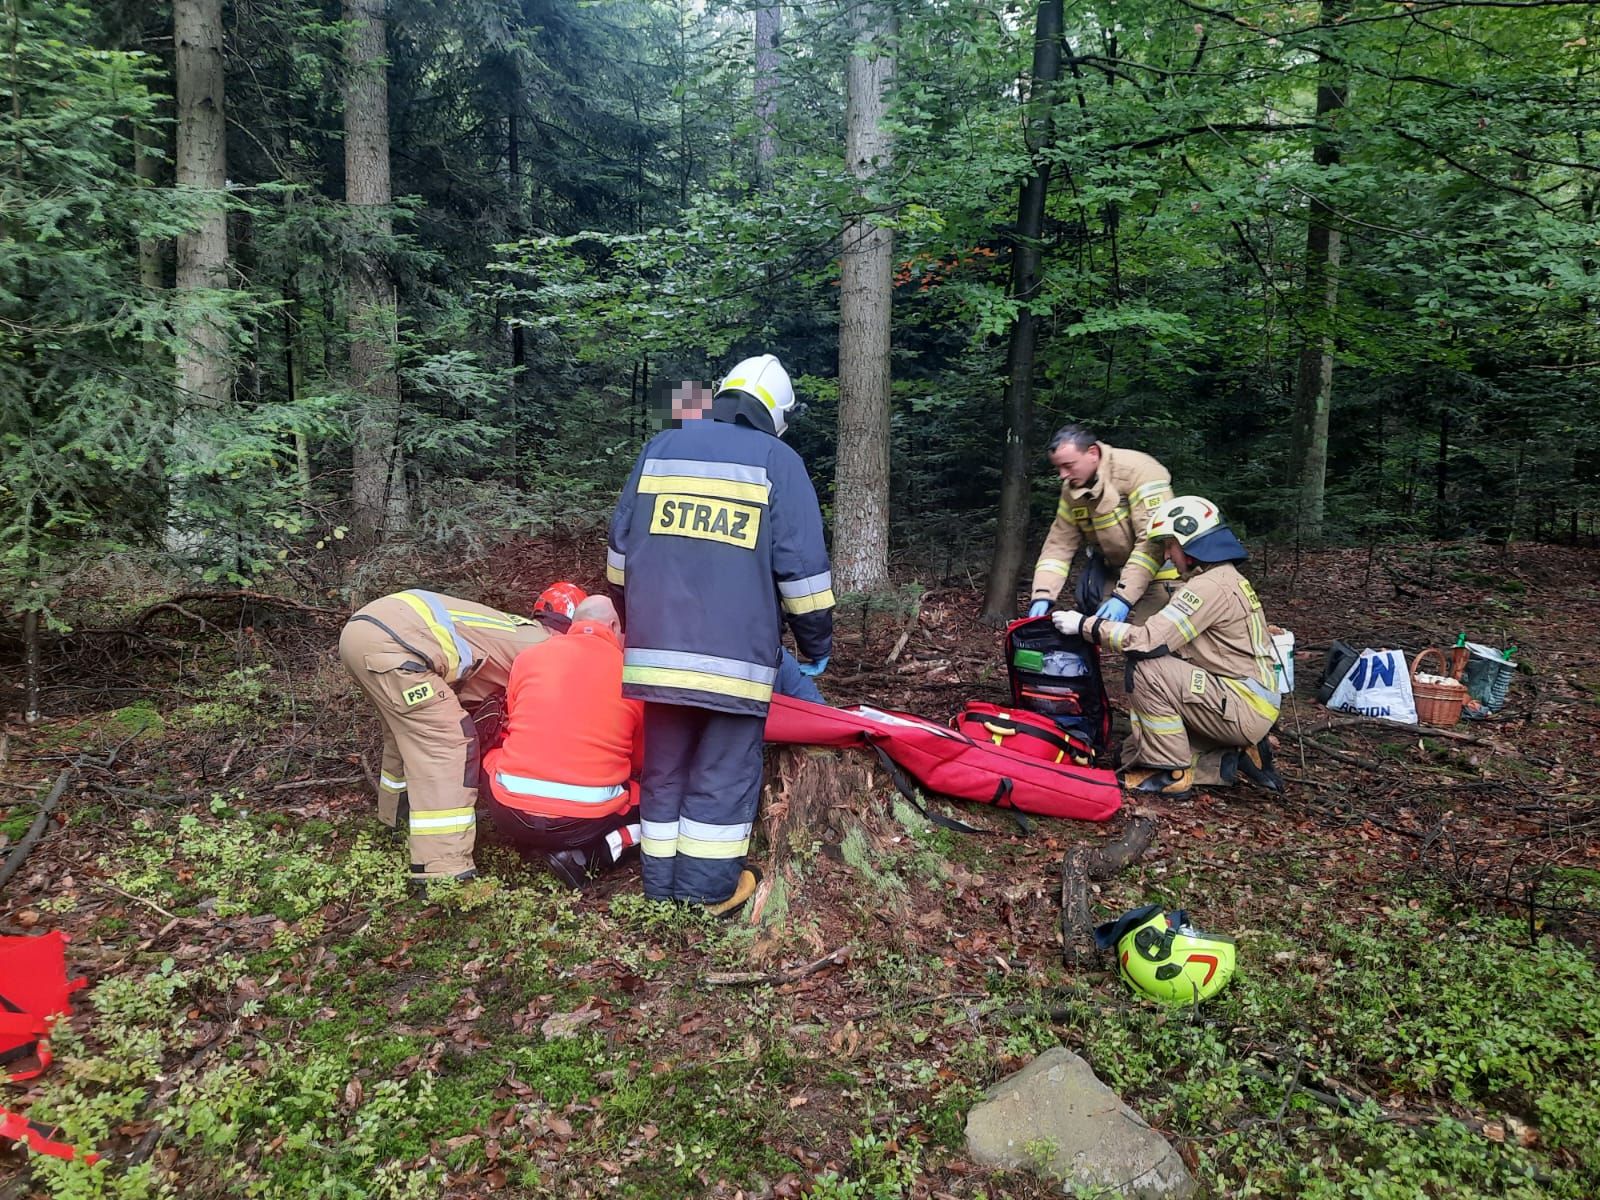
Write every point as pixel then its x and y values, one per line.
pixel 1439 1017
pixel 80 410
pixel 240 863
pixel 881 1168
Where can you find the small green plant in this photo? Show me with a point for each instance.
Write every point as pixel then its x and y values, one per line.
pixel 882 1167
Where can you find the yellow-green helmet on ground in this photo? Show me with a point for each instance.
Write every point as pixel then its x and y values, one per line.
pixel 1162 956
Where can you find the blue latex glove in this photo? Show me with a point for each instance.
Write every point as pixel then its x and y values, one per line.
pixel 813 669
pixel 1114 609
pixel 1038 608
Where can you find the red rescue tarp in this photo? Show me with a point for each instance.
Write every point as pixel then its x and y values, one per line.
pixel 34 991
pixel 951 763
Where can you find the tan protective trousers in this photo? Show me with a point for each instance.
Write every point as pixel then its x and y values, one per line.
pixel 430 749
pixel 1181 714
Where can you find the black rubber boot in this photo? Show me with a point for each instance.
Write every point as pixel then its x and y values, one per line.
pixel 1255 764
pixel 569 866
pixel 1159 781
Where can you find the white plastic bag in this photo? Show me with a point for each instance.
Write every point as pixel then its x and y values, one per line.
pixel 1379 685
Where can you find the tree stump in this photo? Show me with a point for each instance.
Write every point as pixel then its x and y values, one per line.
pixel 809 793
pixel 812 795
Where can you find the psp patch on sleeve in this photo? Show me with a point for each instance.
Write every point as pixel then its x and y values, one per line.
pixel 414 696
pixel 1249 593
pixel 1187 602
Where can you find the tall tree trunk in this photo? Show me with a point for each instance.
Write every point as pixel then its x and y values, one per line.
pixel 147 165
pixel 1313 387
pixel 377 488
pixel 866 292
pixel 769 30
pixel 1011 535
pixel 204 372
pixel 1444 525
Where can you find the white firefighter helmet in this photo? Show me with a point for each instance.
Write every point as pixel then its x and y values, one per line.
pixel 1184 519
pixel 763 378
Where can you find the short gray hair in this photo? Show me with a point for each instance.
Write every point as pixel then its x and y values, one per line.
pixel 1080 437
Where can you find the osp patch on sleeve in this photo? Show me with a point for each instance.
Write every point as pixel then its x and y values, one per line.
pixel 711 520
pixel 1249 593
pixel 1153 502
pixel 414 696
pixel 1188 602
pixel 1197 682
pixel 1080 512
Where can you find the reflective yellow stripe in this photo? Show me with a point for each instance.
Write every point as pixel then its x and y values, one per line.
pixel 699 485
pixel 1261 647
pixel 1064 510
pixel 485 621
pixel 1140 559
pixel 446 638
pixel 1155 724
pixel 473 618
pixel 1184 625
pixel 390 784
pixel 1116 516
pixel 1149 489
pixel 700 848
pixel 697 681
pixel 658 847
pixel 812 603
pixel 615 575
pixel 754 389
pixel 1116 632
pixel 442 821
pixel 1051 566
pixel 1167 572
pixel 1259 703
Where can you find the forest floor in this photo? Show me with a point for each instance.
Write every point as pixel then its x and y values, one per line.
pixel 270 1014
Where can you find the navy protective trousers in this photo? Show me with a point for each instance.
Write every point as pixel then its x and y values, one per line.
pixel 698 795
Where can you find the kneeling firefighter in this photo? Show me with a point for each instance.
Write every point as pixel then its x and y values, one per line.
pixel 422 658
pixel 715 539
pixel 1201 669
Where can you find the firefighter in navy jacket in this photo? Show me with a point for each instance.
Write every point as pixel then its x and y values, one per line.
pixel 716 540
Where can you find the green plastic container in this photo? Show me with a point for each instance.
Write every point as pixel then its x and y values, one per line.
pixel 1028 660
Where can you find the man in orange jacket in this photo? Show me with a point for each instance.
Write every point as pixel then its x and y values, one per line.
pixel 565 781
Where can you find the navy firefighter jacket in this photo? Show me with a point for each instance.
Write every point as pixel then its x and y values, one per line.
pixel 716 538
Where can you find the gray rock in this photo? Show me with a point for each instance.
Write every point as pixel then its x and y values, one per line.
pixel 1056 1118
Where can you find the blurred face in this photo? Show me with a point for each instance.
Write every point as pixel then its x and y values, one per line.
pixel 690 401
pixel 1175 555
pixel 1075 466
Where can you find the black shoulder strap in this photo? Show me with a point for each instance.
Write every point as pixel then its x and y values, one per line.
pixel 1134 658
pixel 905 788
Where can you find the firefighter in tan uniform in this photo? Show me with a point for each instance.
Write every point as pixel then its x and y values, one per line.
pixel 1107 497
pixel 1200 671
pixel 420 657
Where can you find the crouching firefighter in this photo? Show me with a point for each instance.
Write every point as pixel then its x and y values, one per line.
pixel 715 539
pixel 421 657
pixel 1107 498
pixel 1201 685
pixel 564 783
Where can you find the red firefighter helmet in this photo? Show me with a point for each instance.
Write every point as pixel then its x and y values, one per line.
pixel 560 600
